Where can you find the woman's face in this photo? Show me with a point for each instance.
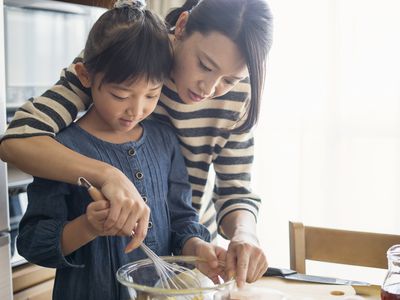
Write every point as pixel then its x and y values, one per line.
pixel 205 66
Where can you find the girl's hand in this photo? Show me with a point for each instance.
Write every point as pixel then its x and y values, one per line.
pixel 245 259
pixel 96 215
pixel 213 256
pixel 128 211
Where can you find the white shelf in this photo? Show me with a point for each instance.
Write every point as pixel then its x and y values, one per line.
pixel 17 178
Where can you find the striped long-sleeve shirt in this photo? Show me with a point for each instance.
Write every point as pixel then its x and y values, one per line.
pixel 204 130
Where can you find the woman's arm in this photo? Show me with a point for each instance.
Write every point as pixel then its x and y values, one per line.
pixel 237 208
pixel 44 157
pixel 27 144
pixel 184 218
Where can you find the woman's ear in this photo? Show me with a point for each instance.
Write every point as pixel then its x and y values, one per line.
pixel 181 24
pixel 83 75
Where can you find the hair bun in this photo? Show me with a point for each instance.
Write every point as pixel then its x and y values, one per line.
pixel 138 4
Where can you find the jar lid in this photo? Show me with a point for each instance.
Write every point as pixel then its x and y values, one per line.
pixel 394 252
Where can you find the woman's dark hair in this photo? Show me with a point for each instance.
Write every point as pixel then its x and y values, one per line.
pixel 248 23
pixel 128 42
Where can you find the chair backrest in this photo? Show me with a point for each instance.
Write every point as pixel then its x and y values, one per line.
pixel 338 246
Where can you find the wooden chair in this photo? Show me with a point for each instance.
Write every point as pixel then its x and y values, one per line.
pixel 338 246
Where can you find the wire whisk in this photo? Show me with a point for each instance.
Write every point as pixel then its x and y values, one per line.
pixel 172 276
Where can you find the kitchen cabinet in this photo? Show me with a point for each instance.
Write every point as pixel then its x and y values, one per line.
pixel 159 6
pixel 100 3
pixel 32 282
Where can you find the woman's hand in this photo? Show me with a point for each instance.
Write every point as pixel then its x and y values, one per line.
pixel 213 256
pixel 245 259
pixel 128 211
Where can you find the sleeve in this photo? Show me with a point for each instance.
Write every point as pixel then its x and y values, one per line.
pixel 232 166
pixel 184 218
pixel 54 110
pixel 40 230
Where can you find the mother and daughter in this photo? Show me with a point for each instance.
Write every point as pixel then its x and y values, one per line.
pixel 203 105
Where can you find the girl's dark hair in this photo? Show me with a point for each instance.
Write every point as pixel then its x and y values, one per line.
pixel 248 23
pixel 128 42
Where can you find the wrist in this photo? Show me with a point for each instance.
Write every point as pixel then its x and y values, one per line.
pixel 238 223
pixel 88 229
pixel 245 234
pixel 104 173
pixel 190 246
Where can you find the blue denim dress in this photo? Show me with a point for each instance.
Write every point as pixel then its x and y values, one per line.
pixel 156 166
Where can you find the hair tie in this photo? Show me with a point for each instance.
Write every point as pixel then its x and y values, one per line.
pixel 138 4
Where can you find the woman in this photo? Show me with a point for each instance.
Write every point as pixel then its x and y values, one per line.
pixel 220 49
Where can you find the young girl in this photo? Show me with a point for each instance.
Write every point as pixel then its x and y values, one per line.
pixel 216 44
pixel 62 227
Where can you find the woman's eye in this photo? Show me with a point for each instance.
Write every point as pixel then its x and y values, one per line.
pixel 204 67
pixel 229 82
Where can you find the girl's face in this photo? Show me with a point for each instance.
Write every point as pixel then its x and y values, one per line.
pixel 120 107
pixel 205 66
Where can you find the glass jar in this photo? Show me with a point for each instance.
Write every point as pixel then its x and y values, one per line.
pixel 391 285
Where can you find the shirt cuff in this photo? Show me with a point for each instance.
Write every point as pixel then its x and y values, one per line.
pixel 179 238
pixel 46 250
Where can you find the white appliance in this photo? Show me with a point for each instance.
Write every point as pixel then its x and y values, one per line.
pixel 5 266
pixel 41 37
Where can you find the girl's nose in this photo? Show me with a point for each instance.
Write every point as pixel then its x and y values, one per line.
pixel 136 111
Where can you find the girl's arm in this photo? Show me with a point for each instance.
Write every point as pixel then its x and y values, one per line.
pixel 40 229
pixel 84 228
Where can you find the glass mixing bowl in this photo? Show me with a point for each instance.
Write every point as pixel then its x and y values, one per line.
pixel 141 279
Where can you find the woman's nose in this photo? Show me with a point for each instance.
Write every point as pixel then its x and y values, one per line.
pixel 207 88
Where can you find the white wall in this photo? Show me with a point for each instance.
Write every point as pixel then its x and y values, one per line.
pixel 328 143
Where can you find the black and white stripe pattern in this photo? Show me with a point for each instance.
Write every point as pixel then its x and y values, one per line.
pixel 204 131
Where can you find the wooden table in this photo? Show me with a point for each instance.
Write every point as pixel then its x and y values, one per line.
pixel 315 291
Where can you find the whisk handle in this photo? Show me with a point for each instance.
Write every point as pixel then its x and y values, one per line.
pixel 94 193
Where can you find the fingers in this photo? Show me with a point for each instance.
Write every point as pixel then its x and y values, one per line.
pixel 242 265
pixel 209 255
pixel 212 255
pixel 140 231
pixel 114 215
pixel 230 265
pixel 262 270
pixel 100 215
pixel 124 199
pixel 96 213
pixel 246 261
pixel 128 226
pixel 99 205
pixel 257 266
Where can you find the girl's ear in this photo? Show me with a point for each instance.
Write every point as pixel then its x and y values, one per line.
pixel 181 24
pixel 83 75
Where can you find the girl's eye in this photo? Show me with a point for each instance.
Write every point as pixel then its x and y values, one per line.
pixel 152 97
pixel 118 97
pixel 204 67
